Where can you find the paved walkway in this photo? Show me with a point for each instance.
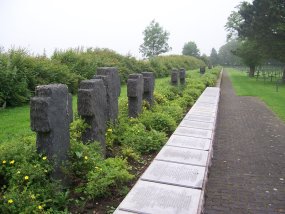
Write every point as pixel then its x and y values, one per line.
pixel 248 168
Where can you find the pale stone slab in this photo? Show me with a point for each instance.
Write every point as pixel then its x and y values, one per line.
pixel 117 211
pixel 212 89
pixel 206 105
pixel 148 197
pixel 208 100
pixel 200 118
pixel 192 132
pixel 202 113
pixel 175 174
pixel 189 142
pixel 201 108
pixel 197 124
pixel 183 155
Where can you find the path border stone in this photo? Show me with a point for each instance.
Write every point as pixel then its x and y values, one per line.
pixel 141 200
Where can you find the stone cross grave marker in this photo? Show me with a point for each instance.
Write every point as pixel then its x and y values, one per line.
pixel 112 82
pixel 149 82
pixel 92 107
pixel 175 77
pixel 182 75
pixel 50 120
pixel 135 93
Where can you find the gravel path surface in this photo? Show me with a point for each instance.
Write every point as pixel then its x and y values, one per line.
pixel 248 168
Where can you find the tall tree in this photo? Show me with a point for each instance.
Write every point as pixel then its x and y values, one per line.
pixel 155 40
pixel 191 49
pixel 251 55
pixel 226 55
pixel 214 58
pixel 262 21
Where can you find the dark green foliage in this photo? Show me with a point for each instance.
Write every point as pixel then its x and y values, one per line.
pixel 261 21
pixel 251 55
pixel 20 73
pixel 159 121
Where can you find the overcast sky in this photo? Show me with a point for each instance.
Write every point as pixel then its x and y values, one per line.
pixel 114 24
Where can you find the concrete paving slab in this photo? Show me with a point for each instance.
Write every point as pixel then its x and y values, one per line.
pixel 189 142
pixel 175 174
pixel 153 198
pixel 183 155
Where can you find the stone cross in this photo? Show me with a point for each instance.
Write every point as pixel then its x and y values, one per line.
pixel 92 107
pixel 175 77
pixel 112 82
pixel 182 75
pixel 50 120
pixel 202 70
pixel 135 89
pixel 149 82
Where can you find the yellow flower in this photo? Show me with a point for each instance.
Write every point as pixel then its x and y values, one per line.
pixel 10 201
pixel 12 161
pixel 4 161
pixel 26 177
pixel 109 130
pixel 40 207
pixel 33 196
pixel 86 158
pixel 45 157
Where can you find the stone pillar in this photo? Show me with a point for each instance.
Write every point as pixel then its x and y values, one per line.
pixel 182 75
pixel 92 107
pixel 202 70
pixel 135 88
pixel 175 77
pixel 112 82
pixel 50 119
pixel 149 82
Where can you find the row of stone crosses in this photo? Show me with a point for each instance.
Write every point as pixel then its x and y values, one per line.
pixel 51 109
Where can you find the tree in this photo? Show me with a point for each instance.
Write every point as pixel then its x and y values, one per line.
pixel 155 40
pixel 205 59
pixel 251 55
pixel 214 58
pixel 226 55
pixel 261 22
pixel 190 49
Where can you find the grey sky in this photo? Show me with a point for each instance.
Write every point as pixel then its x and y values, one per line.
pixel 113 24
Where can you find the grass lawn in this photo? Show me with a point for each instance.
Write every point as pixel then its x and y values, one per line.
pixel 266 91
pixel 15 122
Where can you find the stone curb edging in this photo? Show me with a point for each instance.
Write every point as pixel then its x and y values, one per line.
pixel 175 181
pixel 219 81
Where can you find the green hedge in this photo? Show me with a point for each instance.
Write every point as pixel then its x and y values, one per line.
pixel 20 72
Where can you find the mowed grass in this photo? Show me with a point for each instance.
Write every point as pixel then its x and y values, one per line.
pixel 15 122
pixel 266 91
